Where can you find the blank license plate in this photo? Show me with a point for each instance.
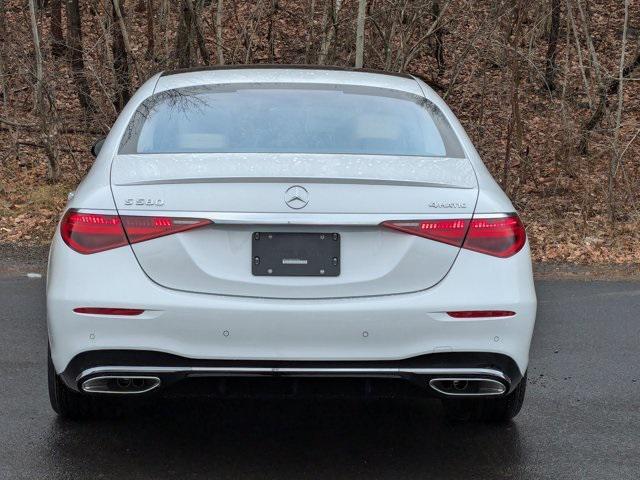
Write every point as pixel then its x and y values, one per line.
pixel 279 254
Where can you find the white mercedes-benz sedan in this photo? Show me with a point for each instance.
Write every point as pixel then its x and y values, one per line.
pixel 289 231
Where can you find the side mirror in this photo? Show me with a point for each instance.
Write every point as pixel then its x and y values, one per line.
pixel 96 147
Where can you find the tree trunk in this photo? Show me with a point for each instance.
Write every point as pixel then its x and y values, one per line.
pixel 74 38
pixel 329 29
pixel 439 44
pixel 309 36
pixel 197 24
pixel 515 129
pixel 4 89
pixel 165 17
pixel 120 59
pixel 151 34
pixel 47 131
pixel 4 93
pixel 184 38
pixel 326 13
pixel 271 35
pixel 39 93
pixel 219 51
pixel 362 10
pixel 615 159
pixel 120 16
pixel 57 39
pixel 550 69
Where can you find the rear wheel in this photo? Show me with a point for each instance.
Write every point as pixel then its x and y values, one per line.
pixel 68 403
pixel 500 409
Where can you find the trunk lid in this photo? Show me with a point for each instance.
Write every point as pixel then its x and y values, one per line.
pixel 246 193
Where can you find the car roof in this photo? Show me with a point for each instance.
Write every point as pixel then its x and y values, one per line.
pixel 223 74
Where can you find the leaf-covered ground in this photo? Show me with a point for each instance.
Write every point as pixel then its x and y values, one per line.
pixel 562 195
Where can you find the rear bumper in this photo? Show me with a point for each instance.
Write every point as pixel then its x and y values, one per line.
pixel 219 328
pixel 172 371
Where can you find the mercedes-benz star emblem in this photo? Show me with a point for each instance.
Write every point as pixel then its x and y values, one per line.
pixel 296 197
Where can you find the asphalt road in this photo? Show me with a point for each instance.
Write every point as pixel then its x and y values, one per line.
pixel 581 417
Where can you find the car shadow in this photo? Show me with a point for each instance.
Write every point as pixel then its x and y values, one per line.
pixel 285 439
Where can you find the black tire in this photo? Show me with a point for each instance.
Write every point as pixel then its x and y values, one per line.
pixel 500 409
pixel 68 403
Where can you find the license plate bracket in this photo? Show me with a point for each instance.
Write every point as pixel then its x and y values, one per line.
pixel 292 254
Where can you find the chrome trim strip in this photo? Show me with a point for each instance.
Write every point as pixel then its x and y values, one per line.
pixel 295 371
pixel 291 218
pixel 87 388
pixel 288 218
pixel 492 215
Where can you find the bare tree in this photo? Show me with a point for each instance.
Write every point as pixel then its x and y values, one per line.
pixel 329 28
pixel 415 47
pixel 271 33
pixel 362 10
pixel 190 32
pixel 58 45
pixel 195 14
pixel 406 29
pixel 309 35
pixel 616 157
pixel 165 12
pixel 576 38
pixel 248 29
pixel 120 16
pixel 385 27
pixel 514 128
pixel 120 57
pixel 151 35
pixel 39 90
pixel 76 52
pixel 438 38
pixel 4 90
pixel 47 130
pixel 599 113
pixel 219 14
pixel 184 38
pixel 552 47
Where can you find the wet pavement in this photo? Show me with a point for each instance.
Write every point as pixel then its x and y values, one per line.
pixel 581 417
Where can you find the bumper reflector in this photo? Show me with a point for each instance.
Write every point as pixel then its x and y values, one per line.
pixel 109 311
pixel 481 313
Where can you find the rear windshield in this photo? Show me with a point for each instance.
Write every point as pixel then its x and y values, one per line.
pixel 290 118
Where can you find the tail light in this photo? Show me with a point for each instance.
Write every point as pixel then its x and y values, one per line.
pixel 95 232
pixel 501 237
pixel 445 231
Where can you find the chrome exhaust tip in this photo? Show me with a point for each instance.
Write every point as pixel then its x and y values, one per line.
pixel 123 383
pixel 468 387
pixel 120 384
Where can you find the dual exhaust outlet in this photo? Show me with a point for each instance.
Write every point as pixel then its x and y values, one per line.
pixel 467 387
pixel 123 385
pixel 449 386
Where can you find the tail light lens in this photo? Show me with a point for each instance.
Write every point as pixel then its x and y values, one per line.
pixel 91 233
pixel 88 233
pixel 451 232
pixel 500 237
pixel 140 229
